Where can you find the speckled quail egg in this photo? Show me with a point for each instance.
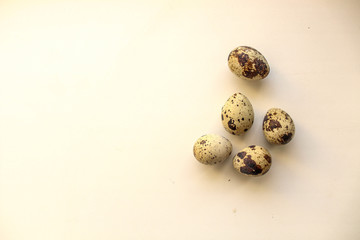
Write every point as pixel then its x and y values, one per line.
pixel 237 114
pixel 248 63
pixel 252 161
pixel 212 149
pixel 278 126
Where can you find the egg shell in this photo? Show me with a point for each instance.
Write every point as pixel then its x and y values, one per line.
pixel 252 161
pixel 248 63
pixel 237 114
pixel 278 126
pixel 212 149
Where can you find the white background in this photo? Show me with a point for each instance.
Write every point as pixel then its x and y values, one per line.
pixel 102 101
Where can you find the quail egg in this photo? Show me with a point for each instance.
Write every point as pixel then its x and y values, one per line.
pixel 278 126
pixel 252 161
pixel 212 149
pixel 248 63
pixel 237 114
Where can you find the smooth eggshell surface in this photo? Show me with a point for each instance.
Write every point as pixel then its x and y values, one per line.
pixel 237 114
pixel 212 149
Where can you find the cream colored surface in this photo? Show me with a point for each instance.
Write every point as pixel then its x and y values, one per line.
pixel 212 149
pixel 102 101
pixel 237 114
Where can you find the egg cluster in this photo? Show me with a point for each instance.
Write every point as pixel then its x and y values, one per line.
pixel 237 116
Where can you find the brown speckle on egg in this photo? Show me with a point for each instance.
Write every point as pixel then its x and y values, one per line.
pixel 212 149
pixel 286 138
pixel 234 110
pixel 231 124
pixel 268 158
pixel 241 154
pixel 278 126
pixel 248 63
pixel 252 161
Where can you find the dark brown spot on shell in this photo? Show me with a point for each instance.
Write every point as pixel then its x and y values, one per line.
pixel 261 67
pixel 266 118
pixel 250 167
pixel 286 138
pixel 231 124
pixel 241 154
pixel 246 170
pixel 249 71
pixel 203 142
pixel 222 117
pixel 252 147
pixel 243 58
pixel 267 158
pixel 273 124
pixel 287 116
pixel 245 130
pixel 249 162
